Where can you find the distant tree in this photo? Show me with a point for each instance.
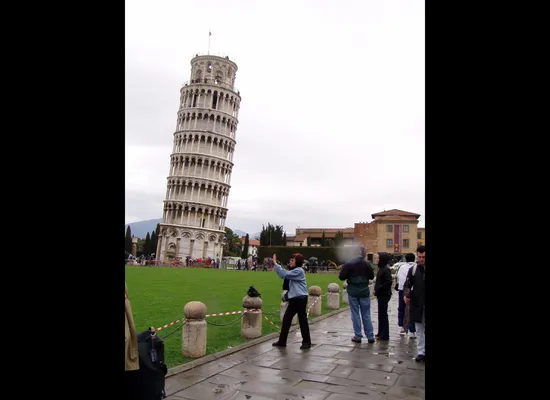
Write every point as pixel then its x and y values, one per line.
pixel 157 234
pixel 338 238
pixel 147 245
pixel 153 242
pixel 128 240
pixel 140 246
pixel 309 241
pixel 323 239
pixel 271 235
pixel 232 245
pixel 245 247
pixel 284 239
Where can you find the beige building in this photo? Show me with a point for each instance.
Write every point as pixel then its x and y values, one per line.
pixel 316 236
pixel 252 246
pixel 393 231
pixel 421 237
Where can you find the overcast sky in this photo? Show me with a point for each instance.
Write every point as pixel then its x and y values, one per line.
pixel 332 118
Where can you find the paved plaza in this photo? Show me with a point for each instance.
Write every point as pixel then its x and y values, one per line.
pixel 333 369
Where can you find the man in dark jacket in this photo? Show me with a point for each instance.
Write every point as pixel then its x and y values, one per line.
pixel 417 295
pixel 358 273
pixel 382 291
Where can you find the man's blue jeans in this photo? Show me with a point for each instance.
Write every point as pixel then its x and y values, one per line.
pixel 360 311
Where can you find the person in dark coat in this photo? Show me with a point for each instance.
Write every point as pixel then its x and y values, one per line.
pixel 417 296
pixel 382 291
pixel 358 273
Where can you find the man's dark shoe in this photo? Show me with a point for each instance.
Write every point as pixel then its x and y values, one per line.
pixel 355 340
pixel 420 357
pixel 277 344
pixel 371 340
pixel 305 346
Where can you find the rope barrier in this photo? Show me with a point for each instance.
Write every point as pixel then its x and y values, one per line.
pixel 215 315
pixel 174 331
pixel 170 324
pixel 311 306
pixel 242 312
pixel 230 323
pixel 271 322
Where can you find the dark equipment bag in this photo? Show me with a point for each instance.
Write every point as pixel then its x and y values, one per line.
pixel 149 384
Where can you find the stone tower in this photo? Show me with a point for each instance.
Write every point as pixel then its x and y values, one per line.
pixel 195 208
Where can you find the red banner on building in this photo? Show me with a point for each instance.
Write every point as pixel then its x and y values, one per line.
pixel 397 236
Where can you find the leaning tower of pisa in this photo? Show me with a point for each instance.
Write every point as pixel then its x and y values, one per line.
pixel 201 162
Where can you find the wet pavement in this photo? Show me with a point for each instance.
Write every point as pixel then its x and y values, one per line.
pixel 333 369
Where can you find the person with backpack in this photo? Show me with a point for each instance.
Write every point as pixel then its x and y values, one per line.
pixel 131 367
pixel 382 291
pixel 400 287
pixel 416 298
pixel 297 300
pixel 358 273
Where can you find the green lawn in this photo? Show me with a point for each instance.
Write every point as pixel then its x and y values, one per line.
pixel 158 296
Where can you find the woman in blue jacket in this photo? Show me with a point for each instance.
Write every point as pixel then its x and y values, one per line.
pixel 297 299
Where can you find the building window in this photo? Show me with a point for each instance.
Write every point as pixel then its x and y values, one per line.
pixel 405 243
pixel 419 235
pixel 405 228
pixel 389 242
pixel 389 228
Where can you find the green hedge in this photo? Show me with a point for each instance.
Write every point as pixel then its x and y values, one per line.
pixel 284 253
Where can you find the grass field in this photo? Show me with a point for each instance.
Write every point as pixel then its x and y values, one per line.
pixel 158 296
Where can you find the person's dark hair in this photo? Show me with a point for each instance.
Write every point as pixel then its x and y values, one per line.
pixel 421 249
pixel 383 259
pixel 298 258
pixel 409 257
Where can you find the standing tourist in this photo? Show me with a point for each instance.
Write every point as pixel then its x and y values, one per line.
pixel 401 278
pixel 130 348
pixel 382 291
pixel 416 298
pixel 297 299
pixel 358 273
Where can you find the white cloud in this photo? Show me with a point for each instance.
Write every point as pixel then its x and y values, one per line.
pixel 331 126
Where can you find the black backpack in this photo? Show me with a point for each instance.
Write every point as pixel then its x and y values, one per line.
pixel 252 292
pixel 152 369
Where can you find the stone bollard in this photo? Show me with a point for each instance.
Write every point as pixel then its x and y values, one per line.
pixel 193 340
pixel 333 296
pixel 345 298
pixel 284 306
pixel 251 322
pixel 315 299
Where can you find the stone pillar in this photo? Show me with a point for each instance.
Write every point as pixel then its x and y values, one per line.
pixel 345 298
pixel 284 306
pixel 166 243
pixel 314 301
pixel 134 245
pixel 333 296
pixel 251 322
pixel 159 247
pixel 178 243
pixel 193 340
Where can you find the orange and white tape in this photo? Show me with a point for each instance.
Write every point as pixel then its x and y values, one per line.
pixel 170 324
pixel 311 306
pixel 212 315
pixel 233 313
pixel 271 322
